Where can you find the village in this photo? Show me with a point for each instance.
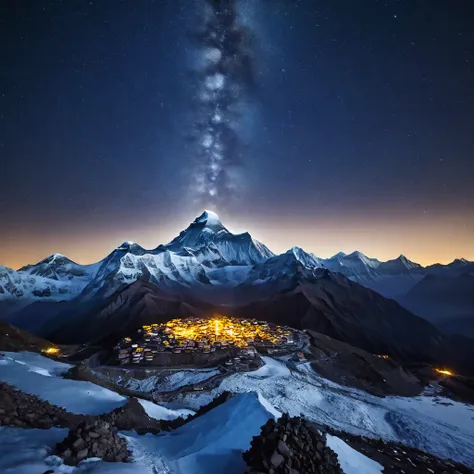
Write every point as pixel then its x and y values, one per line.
pixel 221 339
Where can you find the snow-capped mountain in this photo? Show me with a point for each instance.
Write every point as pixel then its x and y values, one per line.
pixel 360 266
pixel 59 267
pixel 354 265
pixel 206 255
pixel 391 278
pixel 207 229
pixel 191 259
pixel 56 277
pixel 308 260
pixel 165 268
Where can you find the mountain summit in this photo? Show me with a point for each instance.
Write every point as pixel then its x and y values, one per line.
pixel 207 231
pixel 200 232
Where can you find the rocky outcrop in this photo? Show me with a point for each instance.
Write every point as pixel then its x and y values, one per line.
pixel 27 411
pixel 132 416
pixel 290 446
pixel 98 439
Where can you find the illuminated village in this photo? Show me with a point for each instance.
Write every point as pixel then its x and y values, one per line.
pixel 242 338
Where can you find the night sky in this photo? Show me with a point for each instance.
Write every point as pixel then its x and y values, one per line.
pixel 357 131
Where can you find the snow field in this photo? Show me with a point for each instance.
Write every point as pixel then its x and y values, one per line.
pixel 40 376
pixel 421 422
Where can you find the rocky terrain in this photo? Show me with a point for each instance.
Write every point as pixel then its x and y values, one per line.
pixel 27 411
pixel 289 446
pixel 348 365
pixel 98 439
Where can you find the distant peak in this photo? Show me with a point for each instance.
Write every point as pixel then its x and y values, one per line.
pixel 460 261
pixel 339 255
pixel 295 249
pixel 128 244
pixel 55 256
pixel 356 254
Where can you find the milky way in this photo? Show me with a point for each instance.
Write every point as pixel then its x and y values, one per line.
pixel 225 80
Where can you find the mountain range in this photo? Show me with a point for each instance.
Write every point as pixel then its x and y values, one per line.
pixel 206 268
pixel 207 253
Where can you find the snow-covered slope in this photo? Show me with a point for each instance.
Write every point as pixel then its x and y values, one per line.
pixel 40 376
pixel 433 424
pixel 351 461
pixel 214 442
pixel 160 412
pixel 210 443
pixel 165 268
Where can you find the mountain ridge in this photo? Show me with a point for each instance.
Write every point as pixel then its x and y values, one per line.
pixel 203 255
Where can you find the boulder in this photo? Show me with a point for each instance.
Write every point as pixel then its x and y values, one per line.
pixel 97 439
pixel 290 445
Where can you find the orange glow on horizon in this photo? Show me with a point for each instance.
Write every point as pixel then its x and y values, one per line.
pixel 439 240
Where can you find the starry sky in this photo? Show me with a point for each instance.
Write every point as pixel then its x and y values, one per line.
pixel 358 132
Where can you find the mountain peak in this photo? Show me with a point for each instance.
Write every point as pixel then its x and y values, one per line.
pixel 404 260
pixel 208 221
pixel 55 258
pixel 307 259
pixel 356 254
pixel 130 246
pixel 407 262
pixel 126 244
pixel 207 229
pixel 209 217
pixel 358 258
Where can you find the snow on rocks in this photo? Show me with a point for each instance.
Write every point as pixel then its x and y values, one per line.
pixel 27 411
